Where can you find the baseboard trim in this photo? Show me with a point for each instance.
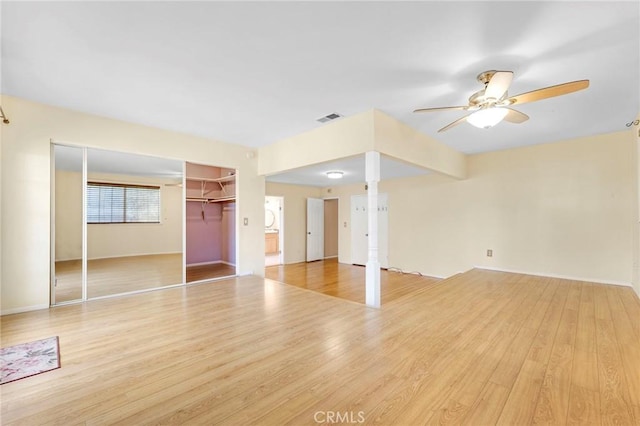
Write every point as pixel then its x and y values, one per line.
pixel 215 262
pixel 562 277
pixel 126 255
pixel 23 309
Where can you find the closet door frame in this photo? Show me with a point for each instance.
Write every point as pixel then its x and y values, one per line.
pixel 52 268
pixel 84 237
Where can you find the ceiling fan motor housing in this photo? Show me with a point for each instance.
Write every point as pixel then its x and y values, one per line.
pixel 485 77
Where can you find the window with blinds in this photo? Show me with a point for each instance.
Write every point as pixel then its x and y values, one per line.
pixel 121 203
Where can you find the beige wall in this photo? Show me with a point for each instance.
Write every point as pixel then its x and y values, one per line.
pixel 402 142
pixel 566 209
pixel 26 182
pixel 343 138
pixel 68 224
pixel 130 239
pixel 563 209
pixel 369 131
pixel 115 240
pixel 294 211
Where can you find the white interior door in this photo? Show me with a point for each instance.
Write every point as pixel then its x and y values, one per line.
pixel 359 230
pixel 315 229
pixel 383 231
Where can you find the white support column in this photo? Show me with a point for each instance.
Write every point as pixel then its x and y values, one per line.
pixel 372 173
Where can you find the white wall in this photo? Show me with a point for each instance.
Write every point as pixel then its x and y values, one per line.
pixel 26 187
pixel 564 209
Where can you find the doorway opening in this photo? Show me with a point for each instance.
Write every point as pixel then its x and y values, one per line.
pixel 273 231
pixel 322 229
pixel 210 230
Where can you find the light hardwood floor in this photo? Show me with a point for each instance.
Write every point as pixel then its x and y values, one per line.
pixel 129 273
pixel 479 348
pixel 209 272
pixel 346 281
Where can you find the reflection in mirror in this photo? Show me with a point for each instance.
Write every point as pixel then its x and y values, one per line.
pixel 134 222
pixel 67 265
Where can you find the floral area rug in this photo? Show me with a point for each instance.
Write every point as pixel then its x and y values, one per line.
pixel 29 359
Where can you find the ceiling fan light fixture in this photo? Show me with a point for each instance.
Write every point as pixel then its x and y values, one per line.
pixel 335 174
pixel 487 117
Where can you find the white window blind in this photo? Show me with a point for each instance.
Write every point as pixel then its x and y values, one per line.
pixel 120 203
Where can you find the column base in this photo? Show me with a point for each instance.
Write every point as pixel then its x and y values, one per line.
pixel 373 284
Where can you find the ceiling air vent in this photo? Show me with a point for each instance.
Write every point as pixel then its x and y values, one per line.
pixel 329 117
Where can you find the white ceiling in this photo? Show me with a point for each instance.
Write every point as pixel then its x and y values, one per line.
pixel 254 73
pixel 353 169
pixel 119 163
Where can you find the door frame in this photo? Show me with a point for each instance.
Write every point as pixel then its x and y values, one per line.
pixel 52 231
pixel 281 225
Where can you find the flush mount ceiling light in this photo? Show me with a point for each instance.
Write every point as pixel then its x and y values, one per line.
pixel 335 174
pixel 486 118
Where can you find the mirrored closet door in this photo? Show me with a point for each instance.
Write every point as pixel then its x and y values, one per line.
pixel 66 224
pixel 117 223
pixel 134 223
pixel 124 223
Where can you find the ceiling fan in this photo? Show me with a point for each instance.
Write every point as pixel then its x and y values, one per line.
pixel 490 105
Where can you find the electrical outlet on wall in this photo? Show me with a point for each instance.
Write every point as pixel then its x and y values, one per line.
pixel 489 253
pixel 246 221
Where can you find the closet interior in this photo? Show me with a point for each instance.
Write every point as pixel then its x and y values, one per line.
pixel 210 221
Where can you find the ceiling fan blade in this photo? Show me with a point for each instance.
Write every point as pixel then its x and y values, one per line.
pixel 440 109
pixel 498 84
pixel 549 92
pixel 514 116
pixel 455 123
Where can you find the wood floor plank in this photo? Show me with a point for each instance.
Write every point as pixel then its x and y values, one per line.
pixel 584 407
pixel 482 347
pixel 632 307
pixel 454 404
pixel 553 400
pixel 628 343
pixel 346 281
pixel 584 396
pixel 126 274
pixel 521 404
pixel 615 402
